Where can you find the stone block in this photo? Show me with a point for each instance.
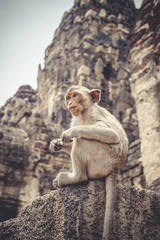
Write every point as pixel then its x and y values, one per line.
pixel 102 13
pixel 77 212
pixel 83 70
pixel 90 12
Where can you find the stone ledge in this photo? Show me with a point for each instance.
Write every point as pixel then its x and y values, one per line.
pixel 76 212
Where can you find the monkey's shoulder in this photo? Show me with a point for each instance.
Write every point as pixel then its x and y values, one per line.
pixel 101 114
pixel 103 117
pixel 100 111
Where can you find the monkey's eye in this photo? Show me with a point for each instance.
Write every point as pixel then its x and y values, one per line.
pixel 68 98
pixel 75 95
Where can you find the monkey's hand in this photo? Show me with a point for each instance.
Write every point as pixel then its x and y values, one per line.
pixel 68 135
pixel 56 145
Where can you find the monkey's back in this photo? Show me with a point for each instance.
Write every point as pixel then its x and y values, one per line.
pixel 104 118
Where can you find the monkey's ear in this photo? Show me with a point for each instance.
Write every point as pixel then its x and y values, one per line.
pixel 95 95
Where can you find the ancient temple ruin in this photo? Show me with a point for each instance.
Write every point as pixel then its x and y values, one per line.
pixel 106 44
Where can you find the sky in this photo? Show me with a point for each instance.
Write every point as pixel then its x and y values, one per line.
pixel 27 28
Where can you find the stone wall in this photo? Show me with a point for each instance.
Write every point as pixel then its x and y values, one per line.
pixel 13 163
pixel 145 85
pixel 90 47
pixel 77 212
pixel 27 167
pixel 94 46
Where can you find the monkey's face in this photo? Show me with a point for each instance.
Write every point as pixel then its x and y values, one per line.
pixel 74 102
pixel 79 99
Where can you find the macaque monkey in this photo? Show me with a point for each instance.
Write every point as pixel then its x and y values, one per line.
pixel 97 144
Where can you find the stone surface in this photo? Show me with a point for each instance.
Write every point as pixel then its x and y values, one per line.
pixel 100 44
pixel 145 85
pixel 77 212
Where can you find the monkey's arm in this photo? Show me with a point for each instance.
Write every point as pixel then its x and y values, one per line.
pixel 95 132
pixel 67 148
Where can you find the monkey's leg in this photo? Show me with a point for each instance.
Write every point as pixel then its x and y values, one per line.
pixel 110 201
pixel 78 174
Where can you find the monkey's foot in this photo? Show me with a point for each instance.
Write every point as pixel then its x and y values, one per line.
pixel 63 178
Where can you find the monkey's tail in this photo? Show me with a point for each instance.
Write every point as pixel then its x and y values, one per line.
pixel 110 186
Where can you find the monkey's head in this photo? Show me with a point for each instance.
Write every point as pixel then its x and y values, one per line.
pixel 79 99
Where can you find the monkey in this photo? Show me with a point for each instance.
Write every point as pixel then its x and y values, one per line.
pixel 97 144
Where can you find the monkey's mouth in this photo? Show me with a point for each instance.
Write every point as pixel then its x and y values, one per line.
pixel 73 107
